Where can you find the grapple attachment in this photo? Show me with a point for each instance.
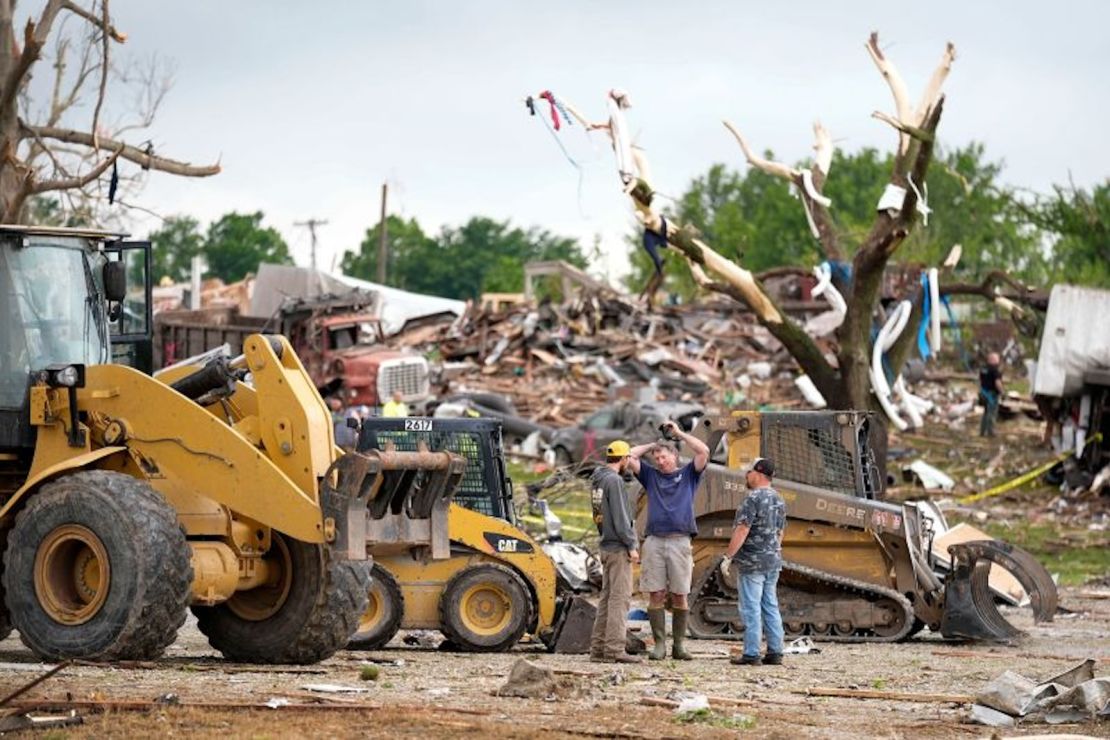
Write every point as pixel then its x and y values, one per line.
pixel 386 497
pixel 969 602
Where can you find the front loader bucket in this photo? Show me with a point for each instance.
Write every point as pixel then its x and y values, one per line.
pixel 969 603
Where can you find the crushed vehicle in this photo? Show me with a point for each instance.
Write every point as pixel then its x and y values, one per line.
pixel 338 338
pixel 636 423
pixel 855 568
pixel 126 499
pixel 498 583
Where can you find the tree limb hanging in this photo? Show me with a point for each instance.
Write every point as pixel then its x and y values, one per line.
pixel 128 152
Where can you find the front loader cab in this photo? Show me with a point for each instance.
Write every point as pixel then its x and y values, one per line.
pixel 60 295
pixel 485 487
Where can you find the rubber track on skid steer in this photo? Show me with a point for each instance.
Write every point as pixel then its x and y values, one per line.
pixel 849 585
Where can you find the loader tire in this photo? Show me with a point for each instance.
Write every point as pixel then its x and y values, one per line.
pixel 5 618
pixel 383 615
pixel 485 608
pixel 97 568
pixel 308 610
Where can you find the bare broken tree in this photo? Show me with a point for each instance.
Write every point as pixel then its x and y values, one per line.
pixel 843 380
pixel 41 149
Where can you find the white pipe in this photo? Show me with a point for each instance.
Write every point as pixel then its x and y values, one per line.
pixel 901 314
pixel 934 314
pixel 907 402
pixel 883 341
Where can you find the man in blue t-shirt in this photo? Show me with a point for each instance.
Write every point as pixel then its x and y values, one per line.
pixel 666 556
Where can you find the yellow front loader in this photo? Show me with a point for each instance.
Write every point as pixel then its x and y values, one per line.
pixel 127 499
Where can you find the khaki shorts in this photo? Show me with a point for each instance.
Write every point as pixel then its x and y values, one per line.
pixel 666 564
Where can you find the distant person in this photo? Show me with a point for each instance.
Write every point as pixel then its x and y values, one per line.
pixel 619 551
pixel 755 550
pixel 990 391
pixel 667 556
pixel 395 407
pixel 345 436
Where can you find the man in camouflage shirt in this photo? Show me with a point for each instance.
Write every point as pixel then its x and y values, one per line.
pixel 756 550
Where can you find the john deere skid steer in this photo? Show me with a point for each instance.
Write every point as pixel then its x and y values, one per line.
pixel 855 568
pixel 127 499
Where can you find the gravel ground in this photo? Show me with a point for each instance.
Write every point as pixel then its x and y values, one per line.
pixel 420 692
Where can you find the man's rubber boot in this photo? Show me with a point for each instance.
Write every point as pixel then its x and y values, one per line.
pixel 658 620
pixel 678 634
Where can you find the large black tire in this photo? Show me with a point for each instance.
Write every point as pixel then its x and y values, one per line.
pixel 74 534
pixel 485 608
pixel 307 623
pixel 5 618
pixel 382 618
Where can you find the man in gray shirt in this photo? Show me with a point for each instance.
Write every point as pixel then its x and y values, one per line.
pixel 619 551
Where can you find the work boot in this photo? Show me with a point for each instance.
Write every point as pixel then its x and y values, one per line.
pixel 678 634
pixel 772 659
pixel 598 657
pixel 658 620
pixel 625 658
pixel 746 660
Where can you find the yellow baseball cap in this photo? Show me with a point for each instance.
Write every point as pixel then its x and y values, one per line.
pixel 618 448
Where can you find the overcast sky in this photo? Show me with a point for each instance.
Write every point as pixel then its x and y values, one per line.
pixel 310 106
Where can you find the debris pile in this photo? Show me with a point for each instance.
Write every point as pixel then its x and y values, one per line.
pixel 1073 696
pixel 559 362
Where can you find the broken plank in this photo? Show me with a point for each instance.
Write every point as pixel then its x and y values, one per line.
pixel 988 654
pixel 888 695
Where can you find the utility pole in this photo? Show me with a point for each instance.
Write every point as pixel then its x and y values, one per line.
pixel 311 224
pixel 382 237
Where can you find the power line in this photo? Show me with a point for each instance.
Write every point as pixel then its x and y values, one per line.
pixel 311 225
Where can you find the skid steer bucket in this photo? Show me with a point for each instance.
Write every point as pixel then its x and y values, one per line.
pixel 969 602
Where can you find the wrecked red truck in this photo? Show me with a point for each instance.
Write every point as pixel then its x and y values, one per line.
pixel 339 340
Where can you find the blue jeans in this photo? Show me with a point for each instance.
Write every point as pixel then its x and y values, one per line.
pixel 759 608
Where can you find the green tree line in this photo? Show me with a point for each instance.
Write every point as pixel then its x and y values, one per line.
pixel 481 255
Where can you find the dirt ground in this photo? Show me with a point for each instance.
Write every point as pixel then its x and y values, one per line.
pixel 423 692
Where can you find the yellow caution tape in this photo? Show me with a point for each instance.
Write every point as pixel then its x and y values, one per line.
pixel 1024 477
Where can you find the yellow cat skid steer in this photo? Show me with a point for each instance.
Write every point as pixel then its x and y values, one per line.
pixel 127 499
pixel 496 583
